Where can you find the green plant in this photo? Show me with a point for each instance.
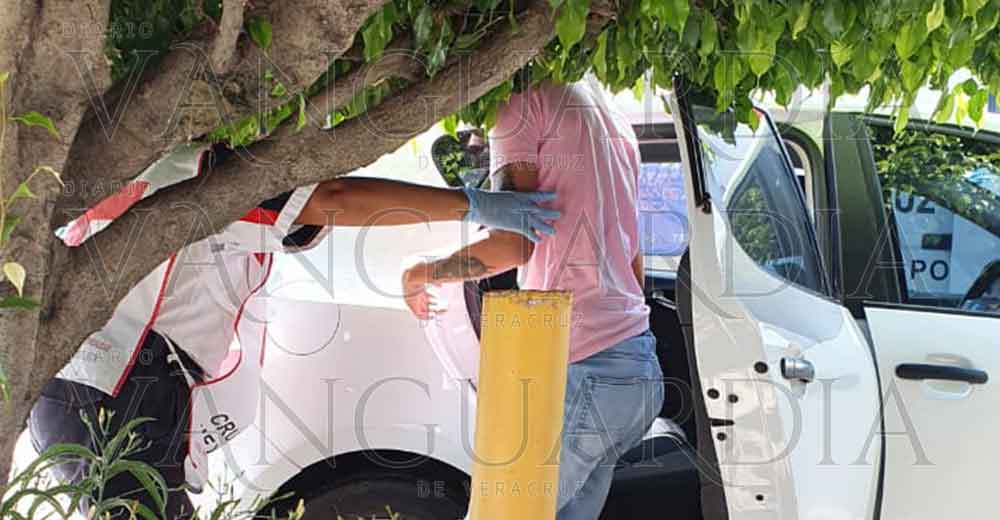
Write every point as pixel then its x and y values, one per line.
pixel 14 272
pixel 30 491
pixel 734 49
pixel 730 49
pixel 33 494
pixel 11 271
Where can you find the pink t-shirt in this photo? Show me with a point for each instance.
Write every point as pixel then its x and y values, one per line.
pixel 587 153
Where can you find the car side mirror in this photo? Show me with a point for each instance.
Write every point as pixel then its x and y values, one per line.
pixel 463 159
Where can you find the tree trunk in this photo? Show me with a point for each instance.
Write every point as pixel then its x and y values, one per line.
pixel 37 47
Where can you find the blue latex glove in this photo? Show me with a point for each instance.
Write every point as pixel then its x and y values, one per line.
pixel 512 211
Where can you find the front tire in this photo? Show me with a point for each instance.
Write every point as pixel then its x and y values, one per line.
pixel 386 496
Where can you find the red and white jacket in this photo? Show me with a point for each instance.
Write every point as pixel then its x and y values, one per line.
pixel 198 296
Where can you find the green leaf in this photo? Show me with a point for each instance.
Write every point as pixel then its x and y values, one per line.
pixel 977 106
pixel 841 53
pixel 422 26
pixel 987 20
pixel 784 85
pixel 729 70
pixel 439 53
pixel 835 18
pixel 279 90
pixel 709 35
pixel 961 107
pixel 450 125
pixel 9 224
pixel 935 17
pixel 913 76
pixel 676 12
pixel 18 302
pixel 300 123
pixel 16 275
pixel 639 88
pixel 865 61
pixel 571 22
pixel 150 478
pixel 970 87
pixel 945 108
pixel 971 7
pixel 692 31
pixel 22 192
pixel 909 38
pixel 4 76
pixel 902 118
pixel 374 36
pixel 36 119
pixel 260 31
pixel 962 45
pixel 599 58
pixel 801 19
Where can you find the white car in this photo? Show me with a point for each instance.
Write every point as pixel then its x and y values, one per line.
pixel 782 322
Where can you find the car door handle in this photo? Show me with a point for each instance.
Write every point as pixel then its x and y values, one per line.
pixel 797 369
pixel 922 371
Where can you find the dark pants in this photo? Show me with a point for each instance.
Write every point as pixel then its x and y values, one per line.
pixel 155 388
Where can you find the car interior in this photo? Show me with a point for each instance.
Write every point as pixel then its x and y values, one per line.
pixel 663 470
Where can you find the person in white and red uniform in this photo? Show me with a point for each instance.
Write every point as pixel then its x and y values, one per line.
pixel 175 327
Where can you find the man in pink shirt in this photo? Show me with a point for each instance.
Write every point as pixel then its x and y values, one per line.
pixel 569 140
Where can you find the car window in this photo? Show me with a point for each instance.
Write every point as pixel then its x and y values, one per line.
pixel 662 201
pixel 663 220
pixel 748 176
pixel 943 192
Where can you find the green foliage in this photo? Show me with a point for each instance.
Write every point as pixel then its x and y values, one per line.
pixel 732 49
pixel 140 27
pixel 363 102
pixel 13 272
pixel 260 31
pixel 35 119
pixel 33 493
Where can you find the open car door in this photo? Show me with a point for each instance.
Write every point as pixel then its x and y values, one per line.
pixel 786 376
pixel 933 238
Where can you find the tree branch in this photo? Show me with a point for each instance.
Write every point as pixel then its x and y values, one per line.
pixel 224 45
pixel 184 96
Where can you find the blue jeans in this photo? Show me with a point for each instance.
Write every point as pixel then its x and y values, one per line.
pixel 612 398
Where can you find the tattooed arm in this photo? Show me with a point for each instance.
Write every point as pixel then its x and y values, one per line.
pixel 501 252
pixel 498 253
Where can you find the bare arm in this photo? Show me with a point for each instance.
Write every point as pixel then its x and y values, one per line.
pixel 500 252
pixel 362 201
pixel 638 268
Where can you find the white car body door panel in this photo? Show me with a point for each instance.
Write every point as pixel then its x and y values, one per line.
pixel 347 367
pixel 941 436
pixel 790 451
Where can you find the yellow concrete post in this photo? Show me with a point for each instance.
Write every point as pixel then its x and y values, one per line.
pixel 522 384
